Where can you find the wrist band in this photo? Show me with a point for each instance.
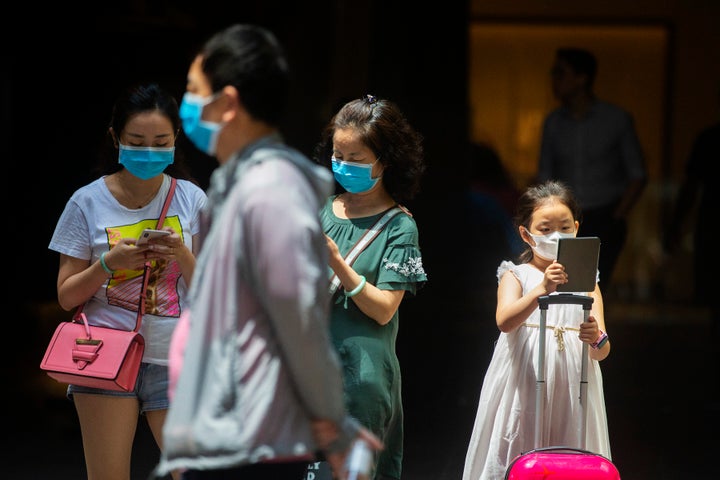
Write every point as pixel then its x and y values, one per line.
pixel 601 341
pixel 104 265
pixel 357 289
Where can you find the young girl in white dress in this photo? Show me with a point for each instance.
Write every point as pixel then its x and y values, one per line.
pixel 505 420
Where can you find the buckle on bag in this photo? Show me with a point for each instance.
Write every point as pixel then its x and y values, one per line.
pixel 85 351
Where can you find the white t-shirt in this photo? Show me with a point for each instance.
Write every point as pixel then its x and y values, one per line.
pixel 94 221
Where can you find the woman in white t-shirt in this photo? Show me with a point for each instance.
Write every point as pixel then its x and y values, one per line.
pixel 101 267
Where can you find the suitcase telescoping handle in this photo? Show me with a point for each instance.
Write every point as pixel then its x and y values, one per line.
pixel 544 301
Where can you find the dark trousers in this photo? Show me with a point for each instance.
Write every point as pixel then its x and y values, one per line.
pixel 599 222
pixel 256 471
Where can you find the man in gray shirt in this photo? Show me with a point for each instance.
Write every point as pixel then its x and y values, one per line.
pixel 592 146
pixel 256 385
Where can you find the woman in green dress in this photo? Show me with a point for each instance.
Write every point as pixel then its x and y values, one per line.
pixel 377 159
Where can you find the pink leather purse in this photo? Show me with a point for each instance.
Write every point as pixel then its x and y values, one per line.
pixel 100 357
pixel 97 357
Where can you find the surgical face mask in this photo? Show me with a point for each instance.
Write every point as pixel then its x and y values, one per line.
pixel 202 134
pixel 146 162
pixel 546 246
pixel 354 177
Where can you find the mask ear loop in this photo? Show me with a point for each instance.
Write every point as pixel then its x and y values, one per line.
pixel 372 165
pixel 527 236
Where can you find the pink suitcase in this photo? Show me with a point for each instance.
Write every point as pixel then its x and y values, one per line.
pixel 560 462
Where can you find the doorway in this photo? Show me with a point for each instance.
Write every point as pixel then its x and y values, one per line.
pixel 510 95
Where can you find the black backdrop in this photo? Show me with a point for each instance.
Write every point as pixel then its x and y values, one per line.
pixel 62 76
pixel 61 70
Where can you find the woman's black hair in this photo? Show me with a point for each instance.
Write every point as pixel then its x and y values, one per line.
pixel 141 98
pixel 386 131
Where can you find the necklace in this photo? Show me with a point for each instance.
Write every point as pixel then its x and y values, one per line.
pixel 134 194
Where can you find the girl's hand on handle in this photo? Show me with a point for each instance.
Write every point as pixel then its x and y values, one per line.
pixel 589 331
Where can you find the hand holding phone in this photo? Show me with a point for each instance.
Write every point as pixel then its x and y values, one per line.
pixel 150 233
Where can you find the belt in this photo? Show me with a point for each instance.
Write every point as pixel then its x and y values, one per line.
pixel 557 331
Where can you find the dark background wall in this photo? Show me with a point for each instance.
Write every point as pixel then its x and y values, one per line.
pixel 62 77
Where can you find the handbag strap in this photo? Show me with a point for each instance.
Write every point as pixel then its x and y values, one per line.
pixel 148 264
pixel 166 205
pixel 365 240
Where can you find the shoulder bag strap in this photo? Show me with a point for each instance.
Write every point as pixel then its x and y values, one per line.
pixel 148 265
pixel 365 240
pixel 168 200
pixel 146 272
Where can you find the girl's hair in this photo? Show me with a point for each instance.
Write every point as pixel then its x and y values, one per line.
pixel 537 195
pixel 385 130
pixel 141 98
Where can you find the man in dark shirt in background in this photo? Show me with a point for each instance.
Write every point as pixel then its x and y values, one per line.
pixel 592 145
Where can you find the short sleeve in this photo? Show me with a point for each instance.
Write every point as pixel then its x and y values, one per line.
pixel 71 236
pixel 401 267
pixel 506 266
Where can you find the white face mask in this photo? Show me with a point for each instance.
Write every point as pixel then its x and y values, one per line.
pixel 546 246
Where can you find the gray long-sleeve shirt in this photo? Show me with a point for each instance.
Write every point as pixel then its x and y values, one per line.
pixel 258 364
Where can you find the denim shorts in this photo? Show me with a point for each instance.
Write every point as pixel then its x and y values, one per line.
pixel 151 388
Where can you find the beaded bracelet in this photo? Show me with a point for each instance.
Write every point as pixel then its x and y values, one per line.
pixel 601 341
pixel 104 265
pixel 355 290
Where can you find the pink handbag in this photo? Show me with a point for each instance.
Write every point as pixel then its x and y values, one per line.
pixel 100 357
pixel 97 357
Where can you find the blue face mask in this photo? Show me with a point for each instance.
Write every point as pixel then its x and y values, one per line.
pixel 354 177
pixel 201 133
pixel 146 162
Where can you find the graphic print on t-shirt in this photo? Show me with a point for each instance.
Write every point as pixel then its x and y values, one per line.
pixel 123 289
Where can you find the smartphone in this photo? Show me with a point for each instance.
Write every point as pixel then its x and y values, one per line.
pixel 150 233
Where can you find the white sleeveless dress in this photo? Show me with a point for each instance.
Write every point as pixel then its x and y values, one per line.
pixel 505 420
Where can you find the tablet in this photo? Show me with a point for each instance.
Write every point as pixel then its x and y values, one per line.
pixel 579 256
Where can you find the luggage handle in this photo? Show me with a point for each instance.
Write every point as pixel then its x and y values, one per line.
pixel 544 302
pixel 562 448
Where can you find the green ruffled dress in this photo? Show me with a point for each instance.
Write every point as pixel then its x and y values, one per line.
pixel 367 350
